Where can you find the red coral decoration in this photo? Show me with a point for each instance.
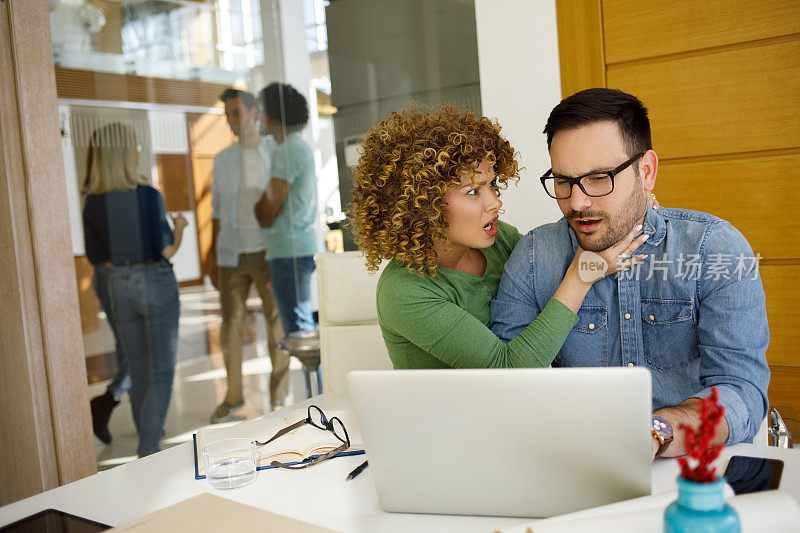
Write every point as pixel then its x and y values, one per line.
pixel 698 443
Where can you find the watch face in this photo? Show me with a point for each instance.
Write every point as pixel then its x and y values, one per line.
pixel 661 426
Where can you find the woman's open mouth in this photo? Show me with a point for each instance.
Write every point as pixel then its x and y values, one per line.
pixel 491 228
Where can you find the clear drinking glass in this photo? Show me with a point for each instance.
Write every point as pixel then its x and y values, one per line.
pixel 230 463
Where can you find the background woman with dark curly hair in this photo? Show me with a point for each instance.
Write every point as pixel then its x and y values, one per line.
pixel 426 196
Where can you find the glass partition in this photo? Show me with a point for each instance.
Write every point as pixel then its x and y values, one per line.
pixel 241 119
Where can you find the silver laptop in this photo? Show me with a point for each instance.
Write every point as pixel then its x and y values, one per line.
pixel 516 442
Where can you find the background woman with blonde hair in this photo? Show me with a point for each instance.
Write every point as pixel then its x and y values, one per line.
pixel 426 197
pixel 128 240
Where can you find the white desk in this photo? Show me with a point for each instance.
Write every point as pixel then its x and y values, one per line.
pixel 318 495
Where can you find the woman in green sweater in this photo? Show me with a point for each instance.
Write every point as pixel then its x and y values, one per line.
pixel 426 196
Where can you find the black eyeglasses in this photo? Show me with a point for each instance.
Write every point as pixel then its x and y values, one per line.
pixel 317 419
pixel 594 184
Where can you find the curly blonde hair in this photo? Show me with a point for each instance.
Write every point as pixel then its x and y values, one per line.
pixel 408 162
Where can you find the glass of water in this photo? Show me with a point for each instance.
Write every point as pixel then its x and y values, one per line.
pixel 230 463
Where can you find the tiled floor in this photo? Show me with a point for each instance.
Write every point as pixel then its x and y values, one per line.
pixel 199 377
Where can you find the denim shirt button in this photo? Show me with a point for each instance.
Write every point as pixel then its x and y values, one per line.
pixel 591 326
pixel 652 317
pixel 630 364
pixel 627 316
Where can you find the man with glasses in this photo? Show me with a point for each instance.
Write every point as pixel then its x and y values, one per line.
pixel 693 312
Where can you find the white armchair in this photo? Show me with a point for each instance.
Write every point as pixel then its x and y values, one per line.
pixel 350 338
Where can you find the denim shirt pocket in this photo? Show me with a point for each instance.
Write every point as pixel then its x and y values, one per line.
pixel 588 339
pixel 667 331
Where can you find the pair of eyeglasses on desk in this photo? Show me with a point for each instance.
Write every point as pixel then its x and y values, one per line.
pixel 317 419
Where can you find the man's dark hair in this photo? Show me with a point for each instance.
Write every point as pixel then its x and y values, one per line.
pixel 600 105
pixel 284 102
pixel 247 98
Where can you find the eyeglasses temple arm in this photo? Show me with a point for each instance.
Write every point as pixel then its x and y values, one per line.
pixel 282 432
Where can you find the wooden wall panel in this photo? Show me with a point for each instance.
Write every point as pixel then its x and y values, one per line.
pixel 636 29
pixel 25 469
pixel 89 85
pixel 757 195
pixel 46 436
pixel 722 83
pixel 580 45
pixel 719 103
pixel 783 386
pixel 783 292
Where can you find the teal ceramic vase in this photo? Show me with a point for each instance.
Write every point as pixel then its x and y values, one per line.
pixel 701 508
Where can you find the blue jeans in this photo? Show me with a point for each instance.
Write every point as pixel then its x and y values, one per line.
pixel 291 283
pixel 122 380
pixel 144 305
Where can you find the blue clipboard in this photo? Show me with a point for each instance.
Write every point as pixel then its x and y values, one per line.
pixel 197 475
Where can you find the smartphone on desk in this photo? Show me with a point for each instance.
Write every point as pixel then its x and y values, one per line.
pixel 753 474
pixel 54 521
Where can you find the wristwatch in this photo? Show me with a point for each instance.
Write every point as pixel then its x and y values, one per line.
pixel 662 432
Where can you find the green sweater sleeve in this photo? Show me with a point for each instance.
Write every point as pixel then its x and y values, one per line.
pixel 458 339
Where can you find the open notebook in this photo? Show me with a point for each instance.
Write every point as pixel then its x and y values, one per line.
pixel 302 444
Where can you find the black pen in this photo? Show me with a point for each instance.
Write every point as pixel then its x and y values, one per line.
pixel 360 468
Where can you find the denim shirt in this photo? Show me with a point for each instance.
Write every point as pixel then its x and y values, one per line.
pixel 225 196
pixel 693 312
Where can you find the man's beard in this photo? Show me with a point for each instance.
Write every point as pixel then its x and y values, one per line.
pixel 631 212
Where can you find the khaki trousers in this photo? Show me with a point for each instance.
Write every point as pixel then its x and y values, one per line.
pixel 234 284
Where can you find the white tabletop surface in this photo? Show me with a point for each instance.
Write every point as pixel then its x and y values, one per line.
pixel 318 495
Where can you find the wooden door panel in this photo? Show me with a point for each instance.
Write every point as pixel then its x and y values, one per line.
pixel 88 303
pixel 757 195
pixel 203 167
pixel 175 180
pixel 208 135
pixel 719 103
pixel 636 29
